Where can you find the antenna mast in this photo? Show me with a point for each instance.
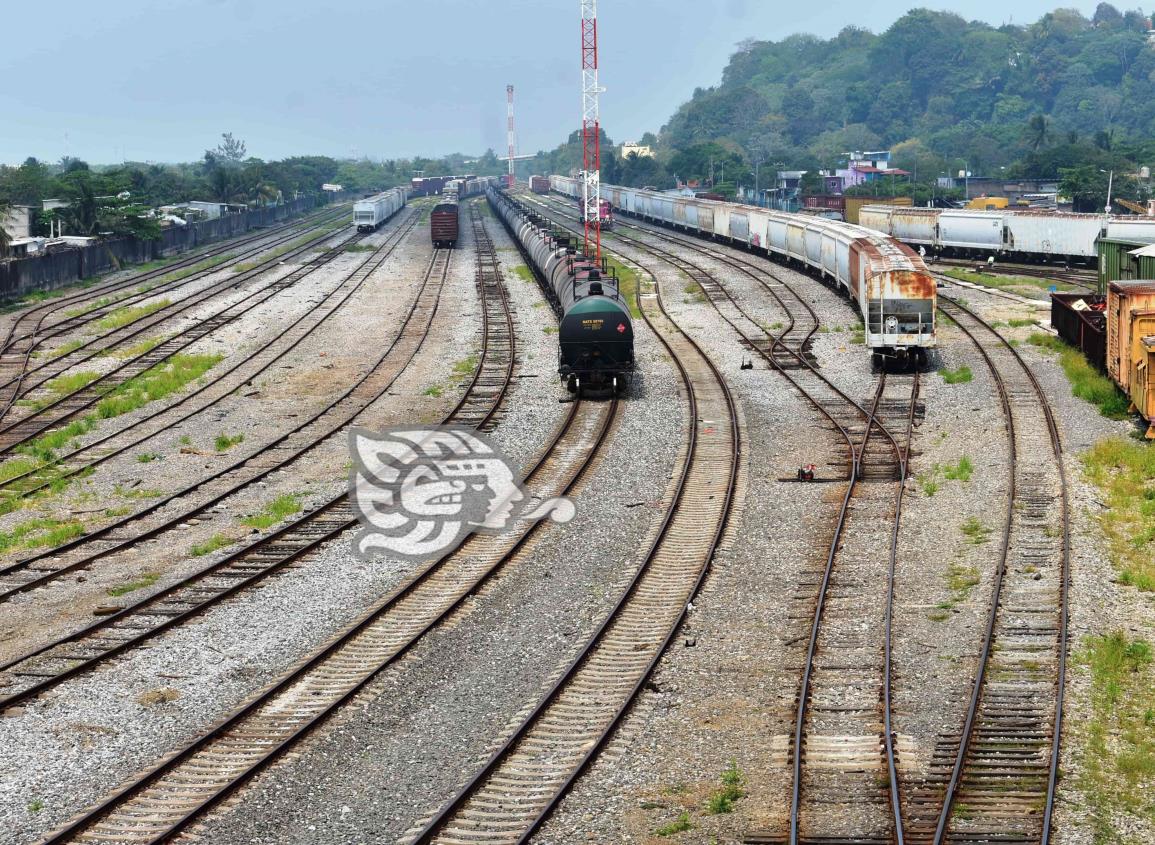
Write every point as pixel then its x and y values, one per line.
pixel 510 179
pixel 591 141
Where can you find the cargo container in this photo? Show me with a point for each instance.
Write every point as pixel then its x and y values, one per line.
pixel 539 184
pixel 1130 317
pixel 1081 320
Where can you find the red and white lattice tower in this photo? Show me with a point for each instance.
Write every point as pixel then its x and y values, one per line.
pixel 510 179
pixel 591 141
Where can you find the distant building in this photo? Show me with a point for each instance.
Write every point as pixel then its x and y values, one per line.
pixel 641 150
pixel 864 167
pixel 17 221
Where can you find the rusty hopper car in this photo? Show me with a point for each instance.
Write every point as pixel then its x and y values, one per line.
pixel 595 331
pixel 889 283
pixel 539 184
pixel 1130 317
pixel 443 225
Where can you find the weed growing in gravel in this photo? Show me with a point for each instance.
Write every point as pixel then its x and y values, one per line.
pixel 464 368
pixel 217 541
pixel 1125 473
pixel 435 391
pixel 722 800
pixel 961 471
pixel 1087 383
pixel 549 329
pixel 35 805
pixel 524 273
pixel 114 513
pixel 66 348
pixel 155 383
pixel 207 264
pixel 184 440
pixel 928 482
pixel 1022 324
pixel 1116 745
pixel 71 382
pixel 224 442
pixel 39 533
pixel 145 580
pixel 975 531
pixel 245 266
pixel 275 511
pixel 138 349
pixel 44 448
pixel 960 376
pixel 627 286
pixel 147 457
pixel 96 304
pixel 130 314
pixel 140 493
pixel 679 825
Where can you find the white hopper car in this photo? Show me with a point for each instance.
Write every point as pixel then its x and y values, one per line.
pixel 370 213
pixel 888 281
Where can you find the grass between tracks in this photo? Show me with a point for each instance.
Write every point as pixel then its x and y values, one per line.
pixel 130 314
pixel 1087 383
pixel 627 286
pixel 275 511
pixel 1124 472
pixel 1013 284
pixel 40 454
pixel 1116 749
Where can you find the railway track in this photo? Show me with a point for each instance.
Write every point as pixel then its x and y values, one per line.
pixel 29 331
pixel 84 650
pixel 1002 767
pixel 225 383
pixel 1086 280
pixel 519 785
pixel 71 405
pixel 199 497
pixel 844 765
pixel 170 797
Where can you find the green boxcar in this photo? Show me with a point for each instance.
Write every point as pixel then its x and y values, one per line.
pixel 1117 263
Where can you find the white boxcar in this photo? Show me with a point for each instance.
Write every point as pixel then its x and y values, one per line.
pixel 370 213
pixel 1137 229
pixel 1043 234
pixel 964 229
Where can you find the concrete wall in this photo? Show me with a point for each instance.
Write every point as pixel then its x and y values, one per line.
pixel 17 221
pixel 20 277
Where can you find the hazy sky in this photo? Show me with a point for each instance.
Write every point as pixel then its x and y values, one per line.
pixel 160 81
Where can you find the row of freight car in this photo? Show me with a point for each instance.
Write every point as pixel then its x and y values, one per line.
pixel 371 212
pixel 888 281
pixel 1117 334
pixel 431 186
pixel 444 220
pixel 1026 235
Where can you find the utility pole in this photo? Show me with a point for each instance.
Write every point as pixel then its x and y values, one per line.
pixel 591 131
pixel 510 178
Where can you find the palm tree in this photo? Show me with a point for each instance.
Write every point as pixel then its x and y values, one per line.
pixel 1039 128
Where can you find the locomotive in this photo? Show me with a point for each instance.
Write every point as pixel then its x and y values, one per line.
pixel 595 331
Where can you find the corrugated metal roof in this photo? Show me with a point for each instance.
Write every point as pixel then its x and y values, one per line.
pixel 1134 286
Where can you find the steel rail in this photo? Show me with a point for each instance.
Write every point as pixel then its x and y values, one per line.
pixel 990 634
pixel 333 302
pixel 30 342
pixel 592 745
pixel 257 759
pixel 19 431
pixel 283 441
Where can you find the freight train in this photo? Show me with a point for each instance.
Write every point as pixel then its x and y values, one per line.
pixel 539 184
pixel 444 220
pixel 606 216
pixel 1008 233
pixel 370 213
pixel 1117 334
pixel 888 281
pixel 595 331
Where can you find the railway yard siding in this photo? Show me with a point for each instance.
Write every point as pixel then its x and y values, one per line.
pixel 22 276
